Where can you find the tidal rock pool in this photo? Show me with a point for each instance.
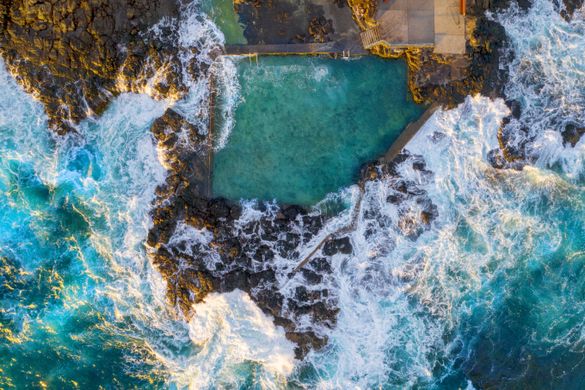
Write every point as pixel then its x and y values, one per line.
pixel 304 126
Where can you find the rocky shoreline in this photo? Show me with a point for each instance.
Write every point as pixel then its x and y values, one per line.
pixel 75 57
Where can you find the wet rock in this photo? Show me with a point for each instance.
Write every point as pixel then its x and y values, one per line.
pixel 496 159
pixel 430 212
pixel 270 301
pixel 338 245
pixel 218 209
pixel 320 264
pixel 570 7
pixel 324 314
pixel 301 294
pixel 320 28
pixel 419 165
pixel 311 277
pixel 572 134
pixel 515 108
pixel 291 212
pixel 263 277
pixel 282 21
pixel 235 280
pixel 70 53
pixel 395 198
pixel 306 341
pixel 245 255
pixel 263 254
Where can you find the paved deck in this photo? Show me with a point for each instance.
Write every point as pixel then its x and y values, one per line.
pixel 412 21
pixel 407 23
pixel 449 27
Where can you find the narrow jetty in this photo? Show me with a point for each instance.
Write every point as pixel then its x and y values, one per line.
pixel 344 230
pixel 342 49
pixel 210 130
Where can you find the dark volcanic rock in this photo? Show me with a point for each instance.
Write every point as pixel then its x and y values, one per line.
pixel 240 255
pixel 340 245
pixel 320 264
pixel 572 134
pixel 451 79
pixel 283 21
pixel 570 7
pixel 75 55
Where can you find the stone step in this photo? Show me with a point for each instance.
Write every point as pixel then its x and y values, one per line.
pixel 371 37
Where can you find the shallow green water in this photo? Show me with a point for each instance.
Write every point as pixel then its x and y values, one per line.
pixel 225 18
pixel 305 126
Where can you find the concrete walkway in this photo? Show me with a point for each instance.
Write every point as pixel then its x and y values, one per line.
pixel 407 134
pixel 346 48
pixel 407 21
pixel 449 27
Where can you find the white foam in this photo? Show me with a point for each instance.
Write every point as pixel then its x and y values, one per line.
pixel 399 297
pixel 21 120
pixel 228 98
pixel 232 330
pixel 547 75
pixel 189 234
pixel 132 292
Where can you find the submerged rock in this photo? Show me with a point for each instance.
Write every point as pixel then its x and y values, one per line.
pixel 570 7
pixel 340 245
pixel 283 21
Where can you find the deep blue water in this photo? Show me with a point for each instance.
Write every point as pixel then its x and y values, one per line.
pixel 59 233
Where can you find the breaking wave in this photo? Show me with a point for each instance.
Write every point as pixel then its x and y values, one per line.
pixel 479 297
pixel 74 214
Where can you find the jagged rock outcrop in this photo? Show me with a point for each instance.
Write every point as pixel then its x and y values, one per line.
pixel 570 7
pixel 74 56
pixel 200 245
pixel 283 21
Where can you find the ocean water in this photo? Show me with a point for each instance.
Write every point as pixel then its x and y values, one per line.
pixel 492 296
pixel 304 126
pixel 80 303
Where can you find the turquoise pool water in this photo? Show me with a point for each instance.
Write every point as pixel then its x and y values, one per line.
pixel 304 126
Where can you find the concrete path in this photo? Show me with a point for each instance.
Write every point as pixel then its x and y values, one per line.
pixel 347 48
pixel 407 21
pixel 449 27
pixel 409 132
